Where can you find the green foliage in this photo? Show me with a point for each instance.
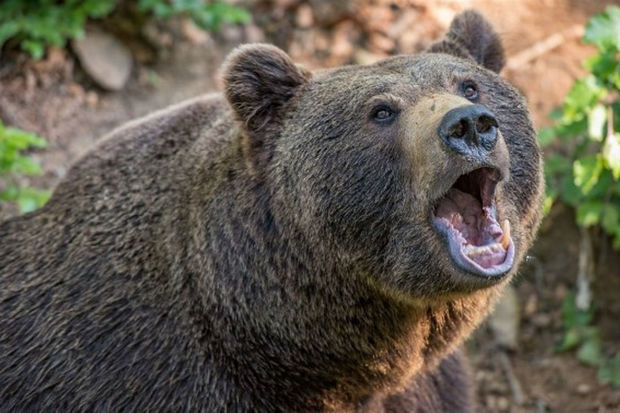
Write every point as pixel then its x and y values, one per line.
pixel 36 24
pixel 584 171
pixel 578 329
pixel 604 29
pixel 610 372
pixel 14 163
pixel 585 338
pixel 208 16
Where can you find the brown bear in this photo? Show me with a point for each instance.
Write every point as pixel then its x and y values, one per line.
pixel 305 242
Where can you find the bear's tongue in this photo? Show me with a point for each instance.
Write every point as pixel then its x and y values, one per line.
pixel 475 228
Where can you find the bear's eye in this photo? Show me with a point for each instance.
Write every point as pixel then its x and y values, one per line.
pixel 383 114
pixel 470 91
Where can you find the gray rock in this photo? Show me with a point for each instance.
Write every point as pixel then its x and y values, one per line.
pixel 504 321
pixel 104 58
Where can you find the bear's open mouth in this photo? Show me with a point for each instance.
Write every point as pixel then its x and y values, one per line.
pixel 467 217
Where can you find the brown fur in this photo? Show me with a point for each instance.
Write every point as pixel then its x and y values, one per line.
pixel 270 251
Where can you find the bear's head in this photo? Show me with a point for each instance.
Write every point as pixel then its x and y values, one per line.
pixel 420 172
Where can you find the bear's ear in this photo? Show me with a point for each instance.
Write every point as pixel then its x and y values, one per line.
pixel 259 80
pixel 471 36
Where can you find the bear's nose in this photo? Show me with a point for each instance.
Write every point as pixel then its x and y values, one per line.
pixel 467 129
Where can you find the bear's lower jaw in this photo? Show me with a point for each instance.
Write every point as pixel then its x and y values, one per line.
pixel 466 217
pixel 490 260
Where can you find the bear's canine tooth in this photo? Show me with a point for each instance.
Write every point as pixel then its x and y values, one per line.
pixel 505 241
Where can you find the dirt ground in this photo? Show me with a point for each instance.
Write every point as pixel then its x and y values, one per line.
pixel 55 98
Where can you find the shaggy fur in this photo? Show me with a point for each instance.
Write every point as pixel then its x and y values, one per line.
pixel 265 251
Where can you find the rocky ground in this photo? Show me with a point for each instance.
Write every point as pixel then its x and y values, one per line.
pixel 58 99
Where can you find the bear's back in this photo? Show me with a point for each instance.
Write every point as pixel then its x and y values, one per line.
pixel 125 183
pixel 87 317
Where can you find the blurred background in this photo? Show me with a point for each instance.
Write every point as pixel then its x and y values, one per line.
pixel 70 71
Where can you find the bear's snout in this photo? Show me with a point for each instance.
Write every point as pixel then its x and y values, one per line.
pixel 446 136
pixel 469 129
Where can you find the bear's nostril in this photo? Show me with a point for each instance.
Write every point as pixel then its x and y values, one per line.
pixel 485 124
pixel 469 129
pixel 459 130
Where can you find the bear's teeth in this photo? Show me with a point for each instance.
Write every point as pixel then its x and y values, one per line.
pixel 477 251
pixel 505 241
pixel 473 251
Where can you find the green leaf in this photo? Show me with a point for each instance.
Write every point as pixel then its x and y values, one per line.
pixel 26 166
pixel 546 136
pixel 603 30
pixel 570 340
pixel 162 11
pixel 26 204
pixel 12 141
pixel 556 115
pixel 35 48
pixel 570 193
pixel 10 194
pixel 147 5
pixel 583 95
pixel 555 164
pixel 590 351
pixel 589 213
pixel 99 8
pixel 611 154
pixel 212 15
pixel 30 199
pixel 20 139
pixel 603 188
pixel 605 66
pixel 611 218
pixel 616 241
pixel 609 372
pixel 568 128
pixel 7 30
pixel 571 315
pixel 587 171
